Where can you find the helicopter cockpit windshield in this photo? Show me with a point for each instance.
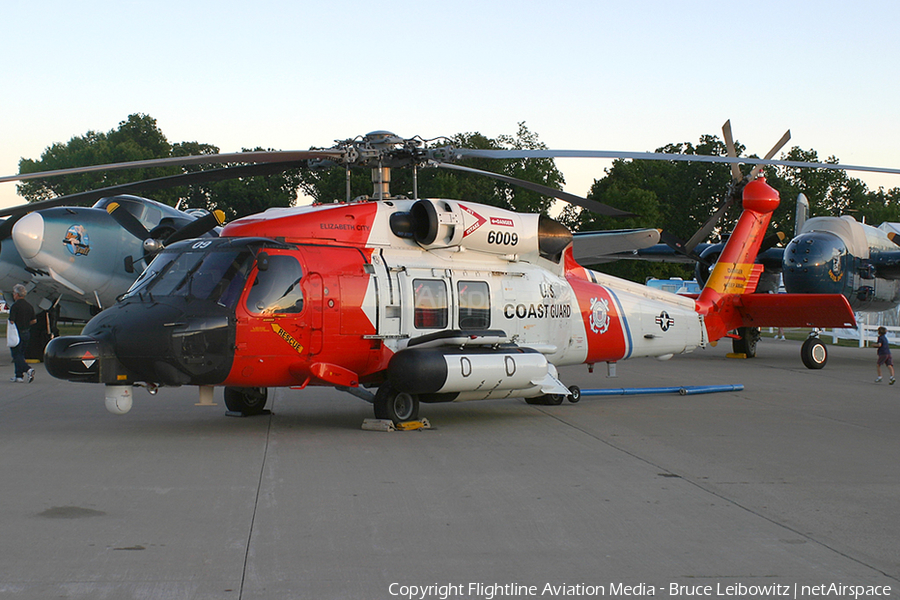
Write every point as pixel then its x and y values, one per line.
pixel 211 270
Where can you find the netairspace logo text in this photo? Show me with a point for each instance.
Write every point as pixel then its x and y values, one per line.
pixel 492 591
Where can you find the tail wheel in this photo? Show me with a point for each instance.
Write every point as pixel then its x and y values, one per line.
pixel 396 406
pixel 814 353
pixel 248 401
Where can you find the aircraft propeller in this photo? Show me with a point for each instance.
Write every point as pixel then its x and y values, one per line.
pixel 152 244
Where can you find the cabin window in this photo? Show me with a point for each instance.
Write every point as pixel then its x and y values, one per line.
pixel 474 304
pixel 277 289
pixel 431 304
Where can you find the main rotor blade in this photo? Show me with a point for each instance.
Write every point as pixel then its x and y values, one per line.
pixel 159 183
pixel 267 156
pixel 586 203
pixel 459 153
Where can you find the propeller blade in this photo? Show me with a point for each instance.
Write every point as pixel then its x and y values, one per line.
pixel 268 156
pixel 128 221
pixel 772 240
pixel 7 225
pixel 586 203
pixel 732 152
pixel 198 227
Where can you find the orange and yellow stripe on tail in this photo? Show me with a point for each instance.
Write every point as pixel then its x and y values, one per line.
pixel 733 278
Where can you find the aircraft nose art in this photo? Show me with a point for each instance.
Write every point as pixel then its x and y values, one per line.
pixel 28 235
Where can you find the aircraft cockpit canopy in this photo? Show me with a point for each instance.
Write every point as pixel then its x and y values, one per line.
pixel 217 269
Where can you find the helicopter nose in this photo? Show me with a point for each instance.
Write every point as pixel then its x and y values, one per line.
pixel 28 235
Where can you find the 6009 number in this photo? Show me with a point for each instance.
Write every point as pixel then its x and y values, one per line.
pixel 504 238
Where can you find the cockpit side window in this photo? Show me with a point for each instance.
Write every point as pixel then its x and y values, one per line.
pixel 276 290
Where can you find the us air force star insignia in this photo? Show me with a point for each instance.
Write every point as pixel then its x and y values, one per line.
pixel 664 321
pixel 599 320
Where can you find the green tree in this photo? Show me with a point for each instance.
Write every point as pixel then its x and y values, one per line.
pixel 137 138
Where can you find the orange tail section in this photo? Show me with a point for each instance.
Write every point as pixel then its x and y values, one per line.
pixel 727 301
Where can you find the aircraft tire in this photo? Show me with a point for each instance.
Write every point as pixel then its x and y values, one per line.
pixel 248 401
pixel 574 394
pixel 747 342
pixel 554 399
pixel 396 406
pixel 813 353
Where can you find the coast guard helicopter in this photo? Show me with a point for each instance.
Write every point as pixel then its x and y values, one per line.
pixel 422 300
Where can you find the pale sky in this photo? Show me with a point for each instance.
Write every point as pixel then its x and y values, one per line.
pixel 592 74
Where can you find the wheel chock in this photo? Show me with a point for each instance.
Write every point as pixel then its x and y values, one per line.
pixel 388 425
pixel 736 355
pixel 413 425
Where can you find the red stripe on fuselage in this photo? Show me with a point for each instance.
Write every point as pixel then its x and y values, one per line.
pixel 604 325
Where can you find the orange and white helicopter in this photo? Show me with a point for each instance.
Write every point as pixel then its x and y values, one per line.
pixel 407 301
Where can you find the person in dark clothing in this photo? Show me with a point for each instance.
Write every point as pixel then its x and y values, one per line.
pixel 21 314
pixel 884 354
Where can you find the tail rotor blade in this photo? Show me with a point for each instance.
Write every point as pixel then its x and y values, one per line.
pixel 732 152
pixel 778 146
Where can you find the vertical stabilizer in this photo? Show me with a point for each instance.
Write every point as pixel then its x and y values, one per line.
pixel 735 272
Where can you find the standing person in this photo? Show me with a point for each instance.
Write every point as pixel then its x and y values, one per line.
pixel 884 355
pixel 21 314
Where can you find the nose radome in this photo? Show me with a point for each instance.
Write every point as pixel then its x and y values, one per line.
pixel 28 235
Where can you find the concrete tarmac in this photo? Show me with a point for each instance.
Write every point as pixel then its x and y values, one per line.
pixel 794 481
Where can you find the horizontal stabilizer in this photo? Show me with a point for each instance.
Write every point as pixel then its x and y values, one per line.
pixel 795 310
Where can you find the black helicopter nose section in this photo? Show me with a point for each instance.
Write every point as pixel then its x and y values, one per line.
pixel 815 263
pixel 175 342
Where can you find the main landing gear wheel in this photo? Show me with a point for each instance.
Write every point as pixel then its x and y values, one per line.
pixel 396 406
pixel 747 342
pixel 548 400
pixel 574 394
pixel 814 353
pixel 246 401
